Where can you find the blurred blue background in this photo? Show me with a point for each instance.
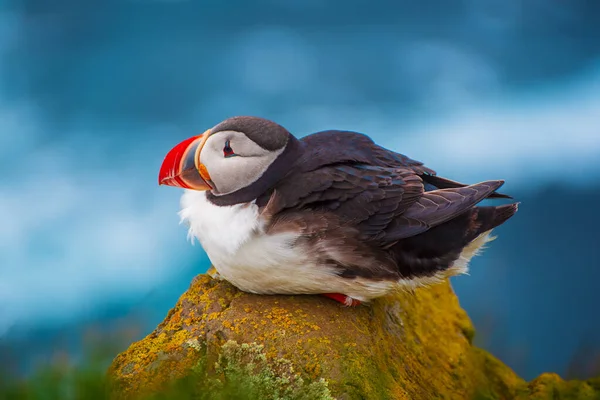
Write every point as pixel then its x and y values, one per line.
pixel 93 95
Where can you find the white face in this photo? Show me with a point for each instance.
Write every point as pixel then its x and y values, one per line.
pixel 238 168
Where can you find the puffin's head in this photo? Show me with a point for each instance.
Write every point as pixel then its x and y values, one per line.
pixel 231 156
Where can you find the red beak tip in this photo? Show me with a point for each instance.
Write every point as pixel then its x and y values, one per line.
pixel 171 168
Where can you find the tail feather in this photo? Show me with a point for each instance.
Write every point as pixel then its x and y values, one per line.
pixel 437 182
pixel 491 217
pixel 437 250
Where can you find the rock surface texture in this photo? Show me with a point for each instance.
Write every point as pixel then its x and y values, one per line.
pixel 404 346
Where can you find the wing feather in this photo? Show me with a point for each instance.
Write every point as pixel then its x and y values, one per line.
pixel 385 204
pixel 365 196
pixel 438 206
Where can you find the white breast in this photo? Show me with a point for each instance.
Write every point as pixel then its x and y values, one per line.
pixel 235 241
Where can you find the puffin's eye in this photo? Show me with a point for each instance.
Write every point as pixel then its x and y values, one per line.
pixel 227 150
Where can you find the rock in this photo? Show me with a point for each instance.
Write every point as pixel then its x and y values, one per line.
pixel 404 346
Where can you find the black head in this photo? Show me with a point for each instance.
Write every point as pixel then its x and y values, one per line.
pixel 238 160
pixel 267 134
pixel 246 157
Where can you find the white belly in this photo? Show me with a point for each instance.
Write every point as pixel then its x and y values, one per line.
pixel 234 240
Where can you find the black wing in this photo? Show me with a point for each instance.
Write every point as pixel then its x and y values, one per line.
pixel 334 146
pixel 384 204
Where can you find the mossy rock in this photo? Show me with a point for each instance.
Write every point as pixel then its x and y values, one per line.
pixel 403 346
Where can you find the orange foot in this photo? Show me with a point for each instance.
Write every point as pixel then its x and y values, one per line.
pixel 342 298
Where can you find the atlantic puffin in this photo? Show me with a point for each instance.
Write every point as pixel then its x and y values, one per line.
pixel 331 213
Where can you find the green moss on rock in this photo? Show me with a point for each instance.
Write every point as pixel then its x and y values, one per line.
pixel 257 377
pixel 404 346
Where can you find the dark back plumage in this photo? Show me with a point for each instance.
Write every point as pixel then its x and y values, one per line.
pixel 383 204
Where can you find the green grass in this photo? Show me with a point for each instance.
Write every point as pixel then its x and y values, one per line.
pixel 241 373
pixel 63 379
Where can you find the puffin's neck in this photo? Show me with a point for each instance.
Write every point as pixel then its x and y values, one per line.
pixel 220 230
pixel 274 173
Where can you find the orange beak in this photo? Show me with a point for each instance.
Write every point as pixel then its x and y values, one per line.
pixel 182 168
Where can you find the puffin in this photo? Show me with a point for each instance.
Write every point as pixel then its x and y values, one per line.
pixel 332 213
